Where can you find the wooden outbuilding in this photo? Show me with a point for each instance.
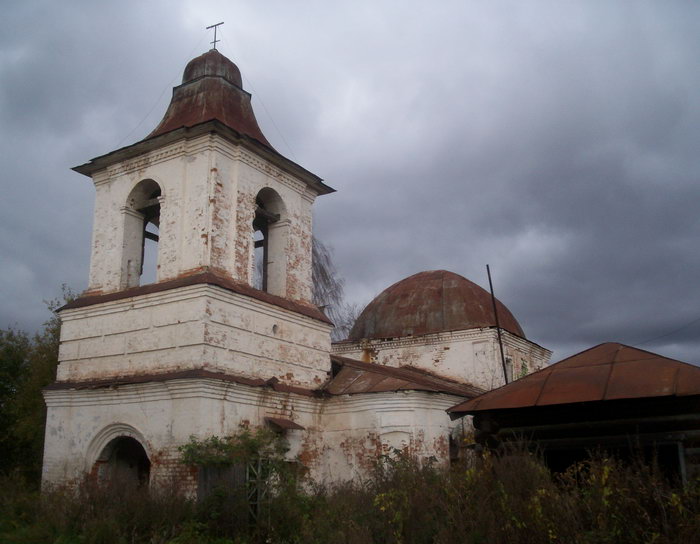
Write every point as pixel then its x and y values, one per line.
pixel 613 397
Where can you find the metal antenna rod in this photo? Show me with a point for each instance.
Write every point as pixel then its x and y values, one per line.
pixel 498 326
pixel 214 27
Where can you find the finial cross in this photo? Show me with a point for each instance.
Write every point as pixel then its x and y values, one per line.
pixel 214 27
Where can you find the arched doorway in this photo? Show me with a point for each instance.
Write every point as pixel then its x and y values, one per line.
pixel 124 461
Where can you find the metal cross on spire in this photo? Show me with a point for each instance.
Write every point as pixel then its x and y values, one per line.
pixel 214 27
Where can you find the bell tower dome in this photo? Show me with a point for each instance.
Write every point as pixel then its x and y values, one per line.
pixel 211 89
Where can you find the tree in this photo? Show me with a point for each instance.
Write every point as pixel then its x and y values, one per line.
pixel 14 354
pixel 328 291
pixel 27 365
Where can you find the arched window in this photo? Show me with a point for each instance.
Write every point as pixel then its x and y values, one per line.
pixel 141 223
pixel 270 227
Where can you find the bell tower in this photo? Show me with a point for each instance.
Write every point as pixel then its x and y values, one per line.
pixel 232 298
pixel 208 179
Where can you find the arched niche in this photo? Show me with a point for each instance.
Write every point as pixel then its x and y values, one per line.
pixel 141 220
pixel 270 234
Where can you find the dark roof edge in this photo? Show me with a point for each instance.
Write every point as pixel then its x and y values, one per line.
pixel 205 277
pixel 284 423
pixel 582 405
pixel 148 144
pixel 182 375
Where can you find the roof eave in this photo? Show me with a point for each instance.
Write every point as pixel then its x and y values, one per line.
pixel 213 126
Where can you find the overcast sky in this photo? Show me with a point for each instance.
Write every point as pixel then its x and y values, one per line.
pixel 557 141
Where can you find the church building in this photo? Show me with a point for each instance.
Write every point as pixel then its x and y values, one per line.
pixel 227 334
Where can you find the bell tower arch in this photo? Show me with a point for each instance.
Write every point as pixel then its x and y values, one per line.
pixel 141 210
pixel 271 236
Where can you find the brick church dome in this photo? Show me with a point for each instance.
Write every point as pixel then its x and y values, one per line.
pixel 431 302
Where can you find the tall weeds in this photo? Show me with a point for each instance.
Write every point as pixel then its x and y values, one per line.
pixel 91 514
pixel 509 498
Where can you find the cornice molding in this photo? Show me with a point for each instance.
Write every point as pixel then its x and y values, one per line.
pixel 279 402
pixel 133 154
pixel 179 388
pixel 182 294
pixel 151 158
pixel 265 167
pixel 488 334
pixel 390 402
pixel 132 297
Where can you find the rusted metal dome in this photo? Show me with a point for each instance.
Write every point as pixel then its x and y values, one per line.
pixel 211 90
pixel 431 302
pixel 212 63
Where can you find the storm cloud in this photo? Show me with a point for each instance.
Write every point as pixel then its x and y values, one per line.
pixel 558 142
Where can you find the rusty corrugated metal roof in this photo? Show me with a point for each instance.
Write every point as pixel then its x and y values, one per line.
pixel 360 377
pixel 430 302
pixel 211 90
pixel 609 371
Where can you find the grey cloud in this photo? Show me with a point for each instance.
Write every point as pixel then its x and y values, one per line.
pixel 555 141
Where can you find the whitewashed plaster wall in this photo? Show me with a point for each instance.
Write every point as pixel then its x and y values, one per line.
pixel 358 429
pixel 343 436
pixel 193 327
pixel 208 187
pixel 469 356
pixel 160 415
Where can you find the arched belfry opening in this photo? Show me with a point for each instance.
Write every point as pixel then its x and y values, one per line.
pixel 141 234
pixel 124 461
pixel 270 227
